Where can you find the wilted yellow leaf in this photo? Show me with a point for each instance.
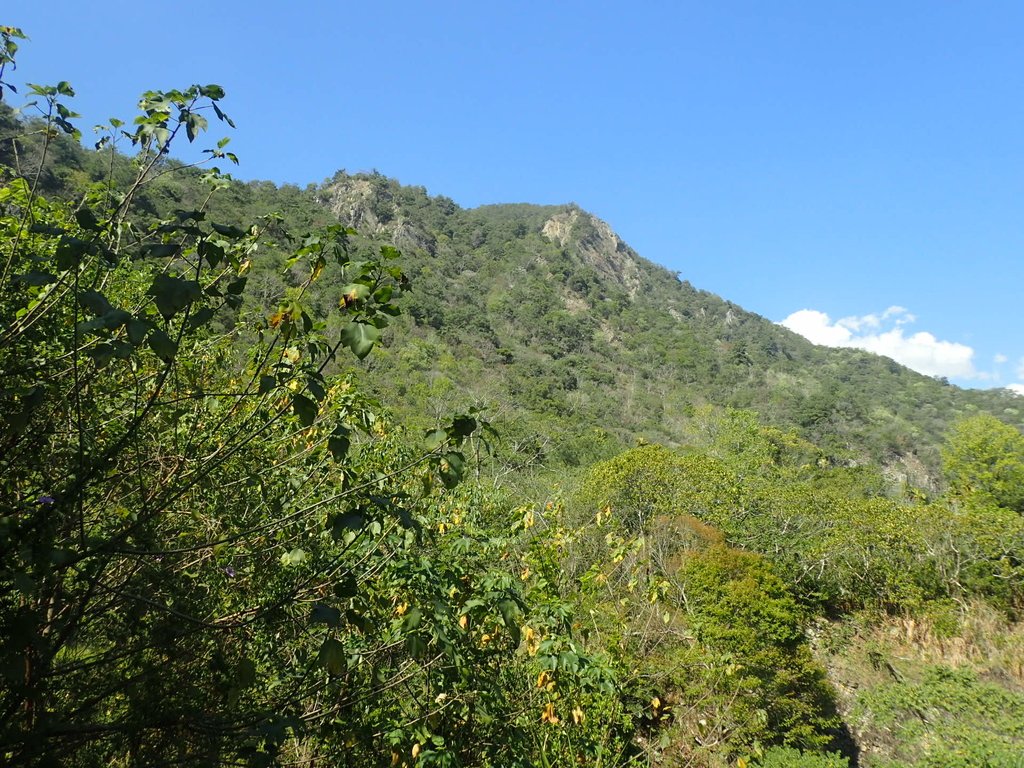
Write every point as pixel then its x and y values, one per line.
pixel 548 715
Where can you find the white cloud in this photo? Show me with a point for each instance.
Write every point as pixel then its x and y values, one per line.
pixel 1000 359
pixel 818 328
pixel 1018 388
pixel 884 335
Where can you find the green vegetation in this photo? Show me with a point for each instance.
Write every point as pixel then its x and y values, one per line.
pixel 348 475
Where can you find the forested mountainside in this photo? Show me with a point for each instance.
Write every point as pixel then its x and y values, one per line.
pixel 543 315
pixel 545 311
pixel 349 475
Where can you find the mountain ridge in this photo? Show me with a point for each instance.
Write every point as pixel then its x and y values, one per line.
pixel 546 316
pixel 599 314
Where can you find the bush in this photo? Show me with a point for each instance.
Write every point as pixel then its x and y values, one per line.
pixel 788 757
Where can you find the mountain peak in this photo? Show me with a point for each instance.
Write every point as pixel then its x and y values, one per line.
pixel 597 245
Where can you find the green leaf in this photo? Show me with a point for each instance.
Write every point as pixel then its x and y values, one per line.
pixel 94 301
pixel 358 621
pixel 69 252
pixel 325 614
pixel 194 123
pixel 137 330
pixel 347 521
pixel 295 557
pixel 173 294
pixel 316 389
pixel 416 644
pixel 162 344
pixel 228 230
pixel 245 674
pixel 87 219
pixel 332 656
pixel 212 252
pixel 413 619
pixel 201 318
pixel 115 318
pixel 267 384
pixel 305 409
pixel 463 426
pixel 211 91
pixel 235 287
pixel 90 326
pixel 160 250
pixel 222 116
pixel 510 615
pixel 452 468
pixel 41 228
pixel 101 354
pixel 347 587
pixel 36 279
pixel 359 338
pixel 352 293
pixel 339 443
pixel 436 438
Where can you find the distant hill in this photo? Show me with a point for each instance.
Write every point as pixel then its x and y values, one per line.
pixel 575 344
pixel 544 314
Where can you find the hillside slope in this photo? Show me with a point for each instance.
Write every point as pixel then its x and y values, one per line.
pixel 575 344
pixel 544 314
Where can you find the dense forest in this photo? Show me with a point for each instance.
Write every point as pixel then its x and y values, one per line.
pixel 350 475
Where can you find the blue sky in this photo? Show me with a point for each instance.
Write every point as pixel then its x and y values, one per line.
pixel 856 169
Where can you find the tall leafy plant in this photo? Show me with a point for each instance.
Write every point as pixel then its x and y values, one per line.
pixel 211 543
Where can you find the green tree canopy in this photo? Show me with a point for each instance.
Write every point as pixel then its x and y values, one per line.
pixel 984 456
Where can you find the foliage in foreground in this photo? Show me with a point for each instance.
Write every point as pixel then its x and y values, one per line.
pixel 213 547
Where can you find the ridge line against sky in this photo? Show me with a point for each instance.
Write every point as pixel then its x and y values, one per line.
pixel 806 161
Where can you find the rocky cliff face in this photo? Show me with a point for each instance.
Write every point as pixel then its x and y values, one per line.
pixel 368 205
pixel 596 245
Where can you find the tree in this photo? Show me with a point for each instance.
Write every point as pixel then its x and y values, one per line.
pixel 983 456
pixel 213 547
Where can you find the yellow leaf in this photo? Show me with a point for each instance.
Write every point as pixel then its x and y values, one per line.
pixel 548 715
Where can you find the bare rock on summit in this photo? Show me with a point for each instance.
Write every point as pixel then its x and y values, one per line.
pixel 597 245
pixel 366 204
